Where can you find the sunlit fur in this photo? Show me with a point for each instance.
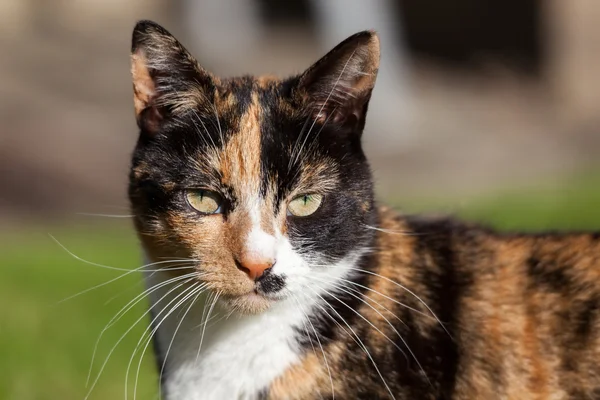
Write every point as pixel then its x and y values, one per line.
pixel 358 302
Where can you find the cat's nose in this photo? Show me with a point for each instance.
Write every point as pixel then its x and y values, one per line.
pixel 254 267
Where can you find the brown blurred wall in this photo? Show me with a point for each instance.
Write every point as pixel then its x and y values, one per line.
pixel 67 127
pixel 573 28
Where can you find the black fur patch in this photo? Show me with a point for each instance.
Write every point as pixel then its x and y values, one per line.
pixel 270 283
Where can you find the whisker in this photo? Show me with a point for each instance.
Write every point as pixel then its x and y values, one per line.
pixel 200 289
pixel 359 293
pixel 410 292
pixel 125 334
pixel 205 130
pixel 121 293
pixel 323 105
pixel 205 308
pixel 97 264
pixel 196 288
pixel 184 295
pixel 304 323
pixel 388 297
pixel 319 342
pixel 218 123
pixel 297 141
pixel 169 268
pixel 125 309
pixel 357 339
pixel 151 326
pixel 179 259
pixel 176 267
pixel 340 287
pixel 85 261
pixel 393 232
pixel 204 326
pixel 105 215
pixel 369 322
pixel 201 324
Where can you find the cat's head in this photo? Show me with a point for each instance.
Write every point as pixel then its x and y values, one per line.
pixel 262 182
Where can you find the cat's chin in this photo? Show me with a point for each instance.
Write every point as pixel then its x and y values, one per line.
pixel 248 304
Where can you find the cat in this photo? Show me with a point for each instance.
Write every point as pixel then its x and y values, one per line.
pixel 277 275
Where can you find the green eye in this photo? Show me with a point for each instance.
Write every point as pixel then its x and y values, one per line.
pixel 204 201
pixel 304 205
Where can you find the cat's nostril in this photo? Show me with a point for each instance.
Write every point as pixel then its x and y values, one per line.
pixel 241 267
pixel 253 268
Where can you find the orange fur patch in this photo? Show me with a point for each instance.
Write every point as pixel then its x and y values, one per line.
pixel 143 84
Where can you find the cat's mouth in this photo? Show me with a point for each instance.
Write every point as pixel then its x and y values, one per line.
pixel 252 302
pixel 267 291
pixel 269 285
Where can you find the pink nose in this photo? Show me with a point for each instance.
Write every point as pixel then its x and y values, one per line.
pixel 254 267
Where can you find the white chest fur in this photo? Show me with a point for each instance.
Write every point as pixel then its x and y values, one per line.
pixel 240 356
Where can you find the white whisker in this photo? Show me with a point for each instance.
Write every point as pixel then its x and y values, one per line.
pixel 410 292
pixel 297 154
pixel 388 297
pixel 340 287
pixel 367 321
pixel 197 289
pixel 126 309
pixel 151 326
pixel 125 334
pixel 392 232
pixel 106 215
pixel 320 345
pixel 175 267
pixel 200 289
pixel 102 265
pixel 204 326
pixel 355 337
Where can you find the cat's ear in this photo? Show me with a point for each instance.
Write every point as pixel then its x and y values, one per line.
pixel 339 85
pixel 167 80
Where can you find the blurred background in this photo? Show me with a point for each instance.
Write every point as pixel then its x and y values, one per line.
pixel 485 110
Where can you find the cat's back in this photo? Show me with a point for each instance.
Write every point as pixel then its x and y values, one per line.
pixel 522 312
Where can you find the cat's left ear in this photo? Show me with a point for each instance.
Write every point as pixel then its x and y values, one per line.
pixel 339 85
pixel 167 80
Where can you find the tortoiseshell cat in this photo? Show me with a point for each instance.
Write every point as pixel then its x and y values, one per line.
pixel 260 190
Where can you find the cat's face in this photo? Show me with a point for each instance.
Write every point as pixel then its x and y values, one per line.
pixel 262 182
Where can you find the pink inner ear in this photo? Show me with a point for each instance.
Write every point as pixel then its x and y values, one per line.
pixel 143 84
pixel 144 91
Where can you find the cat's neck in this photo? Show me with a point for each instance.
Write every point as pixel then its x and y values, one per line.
pixel 200 343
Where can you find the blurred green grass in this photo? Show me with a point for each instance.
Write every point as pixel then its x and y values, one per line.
pixel 46 346
pixel 570 202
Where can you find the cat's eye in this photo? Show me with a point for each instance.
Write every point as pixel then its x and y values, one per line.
pixel 204 201
pixel 304 205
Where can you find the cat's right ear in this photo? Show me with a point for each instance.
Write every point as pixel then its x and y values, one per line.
pixel 167 80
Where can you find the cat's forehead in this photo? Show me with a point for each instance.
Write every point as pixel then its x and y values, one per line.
pixel 250 106
pixel 237 95
pixel 255 141
pixel 238 160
